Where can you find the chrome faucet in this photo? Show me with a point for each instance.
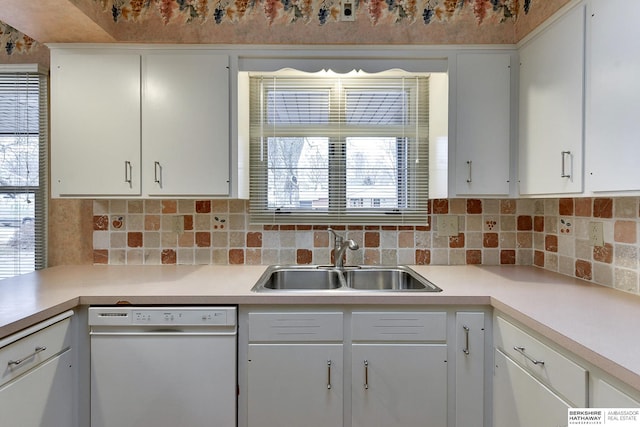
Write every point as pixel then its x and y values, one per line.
pixel 340 246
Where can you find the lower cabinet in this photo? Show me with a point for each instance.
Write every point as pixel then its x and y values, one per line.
pixel 400 385
pixel 295 385
pixel 37 378
pixel 521 400
pixel 358 368
pixel 605 395
pixel 398 368
pixel 533 383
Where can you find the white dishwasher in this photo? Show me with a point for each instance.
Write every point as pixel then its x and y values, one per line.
pixel 163 366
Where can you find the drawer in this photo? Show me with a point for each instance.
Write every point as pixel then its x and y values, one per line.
pixel 287 327
pixel 399 326
pixel 33 349
pixel 552 368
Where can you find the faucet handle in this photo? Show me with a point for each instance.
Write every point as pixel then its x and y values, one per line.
pixel 336 237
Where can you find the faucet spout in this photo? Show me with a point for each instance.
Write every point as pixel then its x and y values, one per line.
pixel 340 246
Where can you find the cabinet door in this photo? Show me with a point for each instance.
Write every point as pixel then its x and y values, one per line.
pixel 295 385
pixel 483 123
pixel 42 397
pixel 612 125
pixel 400 385
pixel 469 369
pixel 521 400
pixel 185 124
pixel 551 108
pixel 95 124
pixel 605 395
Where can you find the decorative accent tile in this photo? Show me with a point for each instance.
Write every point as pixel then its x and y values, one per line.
pixel 474 256
pixel 371 239
pixel 566 226
pixel 565 207
pixel 507 256
pixel 474 206
pixel 583 269
pixel 134 239
pixel 168 256
pixel 551 243
pixel 101 222
pixel 203 206
pixel 490 240
pixel 254 240
pixel 525 223
pixel 603 208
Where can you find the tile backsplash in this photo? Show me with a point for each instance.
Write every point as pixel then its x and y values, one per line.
pixel 548 233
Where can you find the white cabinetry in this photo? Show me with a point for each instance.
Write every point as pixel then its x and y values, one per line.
pixel 551 108
pixel 612 126
pixel 483 124
pixel 533 383
pixel 470 369
pixel 294 369
pixel 37 380
pixel 95 124
pixel 603 394
pixel 399 369
pixel 128 123
pixel 344 368
pixel 521 400
pixel 185 124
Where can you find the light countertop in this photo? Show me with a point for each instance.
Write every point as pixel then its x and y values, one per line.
pixel 596 323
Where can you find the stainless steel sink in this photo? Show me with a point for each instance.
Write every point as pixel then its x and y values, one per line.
pixel 325 278
pixel 387 279
pixel 293 278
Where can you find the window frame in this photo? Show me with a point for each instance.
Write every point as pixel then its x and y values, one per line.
pixel 339 209
pixel 30 75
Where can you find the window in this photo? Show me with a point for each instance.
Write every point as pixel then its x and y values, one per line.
pixel 23 174
pixel 339 148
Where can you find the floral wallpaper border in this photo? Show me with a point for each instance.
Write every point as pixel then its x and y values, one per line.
pixel 320 11
pixel 13 41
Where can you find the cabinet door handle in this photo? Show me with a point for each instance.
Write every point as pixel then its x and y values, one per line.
pixel 534 361
pixel 128 172
pixel 157 173
pixel 328 374
pixel 27 357
pixel 469 165
pixel 564 155
pixel 366 375
pixel 465 350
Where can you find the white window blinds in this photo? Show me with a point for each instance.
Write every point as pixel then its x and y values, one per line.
pixel 23 173
pixel 339 149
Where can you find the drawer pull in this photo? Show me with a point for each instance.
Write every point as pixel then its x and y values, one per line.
pixel 534 361
pixel 29 356
pixel 465 350
pixel 366 375
pixel 328 374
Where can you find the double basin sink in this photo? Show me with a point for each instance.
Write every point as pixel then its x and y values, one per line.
pixel 327 278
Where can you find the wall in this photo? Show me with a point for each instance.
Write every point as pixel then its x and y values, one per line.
pixel 549 233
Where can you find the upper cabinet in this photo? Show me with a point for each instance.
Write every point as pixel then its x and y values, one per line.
pixel 613 67
pixel 185 124
pixel 483 124
pixel 129 123
pixel 95 124
pixel 551 108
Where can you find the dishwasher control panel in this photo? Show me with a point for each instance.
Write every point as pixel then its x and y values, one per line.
pixel 154 316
